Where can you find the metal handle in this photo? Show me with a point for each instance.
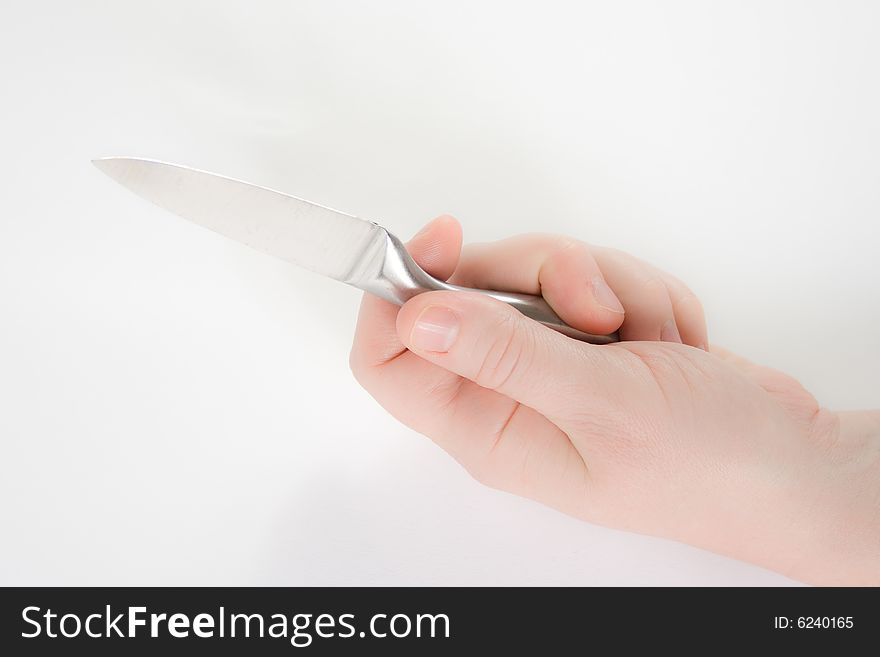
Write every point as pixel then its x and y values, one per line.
pixel 399 278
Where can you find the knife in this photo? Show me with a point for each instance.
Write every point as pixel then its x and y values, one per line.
pixel 328 242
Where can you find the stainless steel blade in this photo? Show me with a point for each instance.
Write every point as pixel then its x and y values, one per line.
pixel 323 240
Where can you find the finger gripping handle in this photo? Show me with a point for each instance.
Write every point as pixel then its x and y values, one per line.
pixel 398 278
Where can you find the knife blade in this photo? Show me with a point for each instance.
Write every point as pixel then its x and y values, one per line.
pixel 325 241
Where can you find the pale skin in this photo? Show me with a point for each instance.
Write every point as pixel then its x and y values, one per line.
pixel 658 434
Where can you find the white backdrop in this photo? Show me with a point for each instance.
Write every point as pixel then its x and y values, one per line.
pixel 176 409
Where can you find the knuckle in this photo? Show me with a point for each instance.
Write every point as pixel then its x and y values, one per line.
pixel 552 244
pixel 654 286
pixel 363 367
pixel 690 304
pixel 508 352
pixel 481 471
pixel 562 247
pixel 620 260
pixel 565 243
pixel 355 364
pixel 488 471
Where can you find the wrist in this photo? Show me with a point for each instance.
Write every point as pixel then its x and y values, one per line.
pixel 845 494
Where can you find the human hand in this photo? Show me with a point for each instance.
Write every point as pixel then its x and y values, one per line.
pixel 654 435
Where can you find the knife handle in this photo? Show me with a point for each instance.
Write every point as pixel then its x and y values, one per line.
pixel 398 278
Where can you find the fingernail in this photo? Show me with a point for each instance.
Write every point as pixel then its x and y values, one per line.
pixel 435 329
pixel 703 346
pixel 669 332
pixel 604 296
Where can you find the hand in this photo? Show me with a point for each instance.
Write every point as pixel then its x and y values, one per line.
pixel 654 435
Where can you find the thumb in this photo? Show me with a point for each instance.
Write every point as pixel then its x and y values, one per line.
pixel 495 346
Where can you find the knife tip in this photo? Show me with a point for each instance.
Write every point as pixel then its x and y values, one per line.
pixel 113 165
pixel 103 162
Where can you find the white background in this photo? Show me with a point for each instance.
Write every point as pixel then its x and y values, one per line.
pixel 175 409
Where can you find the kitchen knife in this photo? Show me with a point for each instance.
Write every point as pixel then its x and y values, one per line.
pixel 357 252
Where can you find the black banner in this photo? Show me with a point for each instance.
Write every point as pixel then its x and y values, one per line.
pixel 170 621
